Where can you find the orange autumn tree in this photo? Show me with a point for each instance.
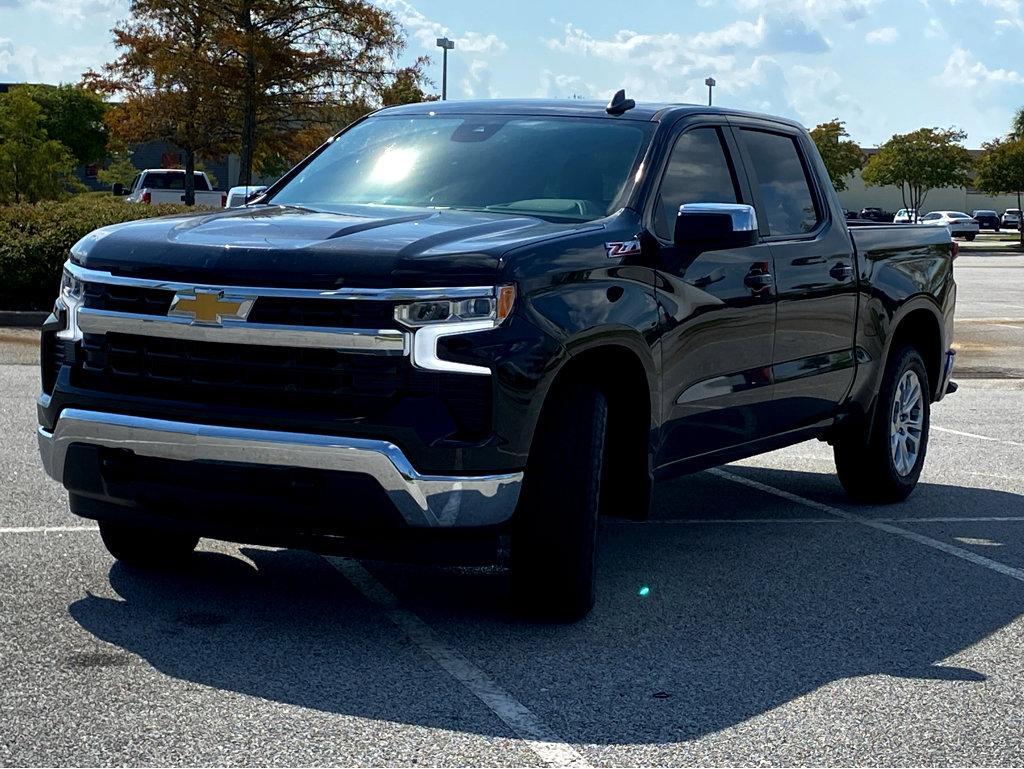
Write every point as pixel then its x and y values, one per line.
pixel 167 75
pixel 291 65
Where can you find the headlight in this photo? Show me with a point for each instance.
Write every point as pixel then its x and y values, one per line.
pixel 70 286
pixel 495 308
pixel 437 318
pixel 72 293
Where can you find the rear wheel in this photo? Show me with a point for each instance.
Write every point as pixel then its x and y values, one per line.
pixel 971 236
pixel 145 546
pixel 885 467
pixel 554 537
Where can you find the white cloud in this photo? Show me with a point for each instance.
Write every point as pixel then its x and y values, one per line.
pixel 562 86
pixel 766 35
pixel 813 10
pixel 882 35
pixel 25 64
pixel 425 31
pixel 75 12
pixel 965 71
pixel 934 29
pixel 477 84
pixel 475 42
pixel 1011 11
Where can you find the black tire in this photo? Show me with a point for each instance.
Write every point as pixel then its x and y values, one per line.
pixel 146 547
pixel 554 534
pixel 971 236
pixel 866 466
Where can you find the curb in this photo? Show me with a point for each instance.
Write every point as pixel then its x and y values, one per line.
pixel 22 319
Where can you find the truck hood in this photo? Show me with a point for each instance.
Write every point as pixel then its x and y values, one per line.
pixel 285 246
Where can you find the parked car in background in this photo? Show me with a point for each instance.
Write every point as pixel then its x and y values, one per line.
pixel 167 185
pixel 1011 218
pixel 239 196
pixel 987 220
pixel 960 225
pixel 905 216
pixel 874 214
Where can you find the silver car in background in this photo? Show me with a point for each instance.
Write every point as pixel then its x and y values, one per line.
pixel 1011 218
pixel 960 225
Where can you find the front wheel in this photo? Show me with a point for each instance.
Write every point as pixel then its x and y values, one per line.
pixel 885 465
pixel 554 535
pixel 146 547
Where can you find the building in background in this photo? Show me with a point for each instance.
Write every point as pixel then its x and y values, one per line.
pixel 857 196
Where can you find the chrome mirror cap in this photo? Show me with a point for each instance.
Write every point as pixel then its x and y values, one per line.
pixel 744 218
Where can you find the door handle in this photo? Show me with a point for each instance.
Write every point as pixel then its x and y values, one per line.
pixel 758 279
pixel 841 271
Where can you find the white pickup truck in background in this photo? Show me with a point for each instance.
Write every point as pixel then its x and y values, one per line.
pixel 167 185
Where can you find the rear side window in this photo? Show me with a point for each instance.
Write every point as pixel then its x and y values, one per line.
pixel 786 192
pixel 698 171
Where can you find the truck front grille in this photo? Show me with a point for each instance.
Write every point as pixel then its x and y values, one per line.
pixel 330 384
pixel 322 313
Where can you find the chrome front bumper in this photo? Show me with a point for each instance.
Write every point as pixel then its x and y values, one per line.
pixel 422 500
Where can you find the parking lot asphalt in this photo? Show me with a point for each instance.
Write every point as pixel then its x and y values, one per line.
pixel 782 624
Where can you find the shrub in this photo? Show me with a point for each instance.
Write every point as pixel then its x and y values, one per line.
pixel 35 240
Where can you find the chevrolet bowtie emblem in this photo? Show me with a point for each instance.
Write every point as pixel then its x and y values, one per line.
pixel 210 308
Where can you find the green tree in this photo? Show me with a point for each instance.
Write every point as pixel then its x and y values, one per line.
pixel 169 75
pixel 73 116
pixel 841 156
pixel 1000 170
pixel 1017 127
pixel 120 170
pixel 406 88
pixel 920 161
pixel 32 166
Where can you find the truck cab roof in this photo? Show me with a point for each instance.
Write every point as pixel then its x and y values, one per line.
pixel 643 111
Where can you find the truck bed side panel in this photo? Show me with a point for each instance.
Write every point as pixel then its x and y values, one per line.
pixel 903 268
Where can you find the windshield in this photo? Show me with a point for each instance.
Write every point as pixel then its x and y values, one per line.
pixel 571 169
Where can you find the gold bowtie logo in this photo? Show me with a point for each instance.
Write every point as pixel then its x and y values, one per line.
pixel 210 307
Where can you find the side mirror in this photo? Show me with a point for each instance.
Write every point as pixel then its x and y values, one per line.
pixel 118 189
pixel 704 227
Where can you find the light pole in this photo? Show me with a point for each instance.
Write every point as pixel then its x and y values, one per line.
pixel 710 83
pixel 445 45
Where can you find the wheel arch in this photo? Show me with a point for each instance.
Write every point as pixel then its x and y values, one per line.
pixel 919 323
pixel 620 364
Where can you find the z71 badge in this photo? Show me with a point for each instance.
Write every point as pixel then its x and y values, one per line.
pixel 622 248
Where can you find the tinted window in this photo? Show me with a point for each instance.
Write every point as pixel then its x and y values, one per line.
pixel 559 168
pixel 785 190
pixel 171 180
pixel 930 217
pixel 698 171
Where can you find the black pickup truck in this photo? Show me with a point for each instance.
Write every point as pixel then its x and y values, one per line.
pixel 464 330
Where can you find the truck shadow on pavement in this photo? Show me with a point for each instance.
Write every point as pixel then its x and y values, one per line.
pixel 738 619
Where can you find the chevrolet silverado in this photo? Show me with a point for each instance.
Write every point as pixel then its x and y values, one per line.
pixel 464 330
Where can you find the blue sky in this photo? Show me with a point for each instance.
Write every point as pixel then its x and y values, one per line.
pixel 883 66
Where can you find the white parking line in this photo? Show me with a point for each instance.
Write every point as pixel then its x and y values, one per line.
pixel 548 747
pixel 975 435
pixel 957 552
pixel 44 529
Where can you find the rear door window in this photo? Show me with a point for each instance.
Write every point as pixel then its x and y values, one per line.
pixel 787 194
